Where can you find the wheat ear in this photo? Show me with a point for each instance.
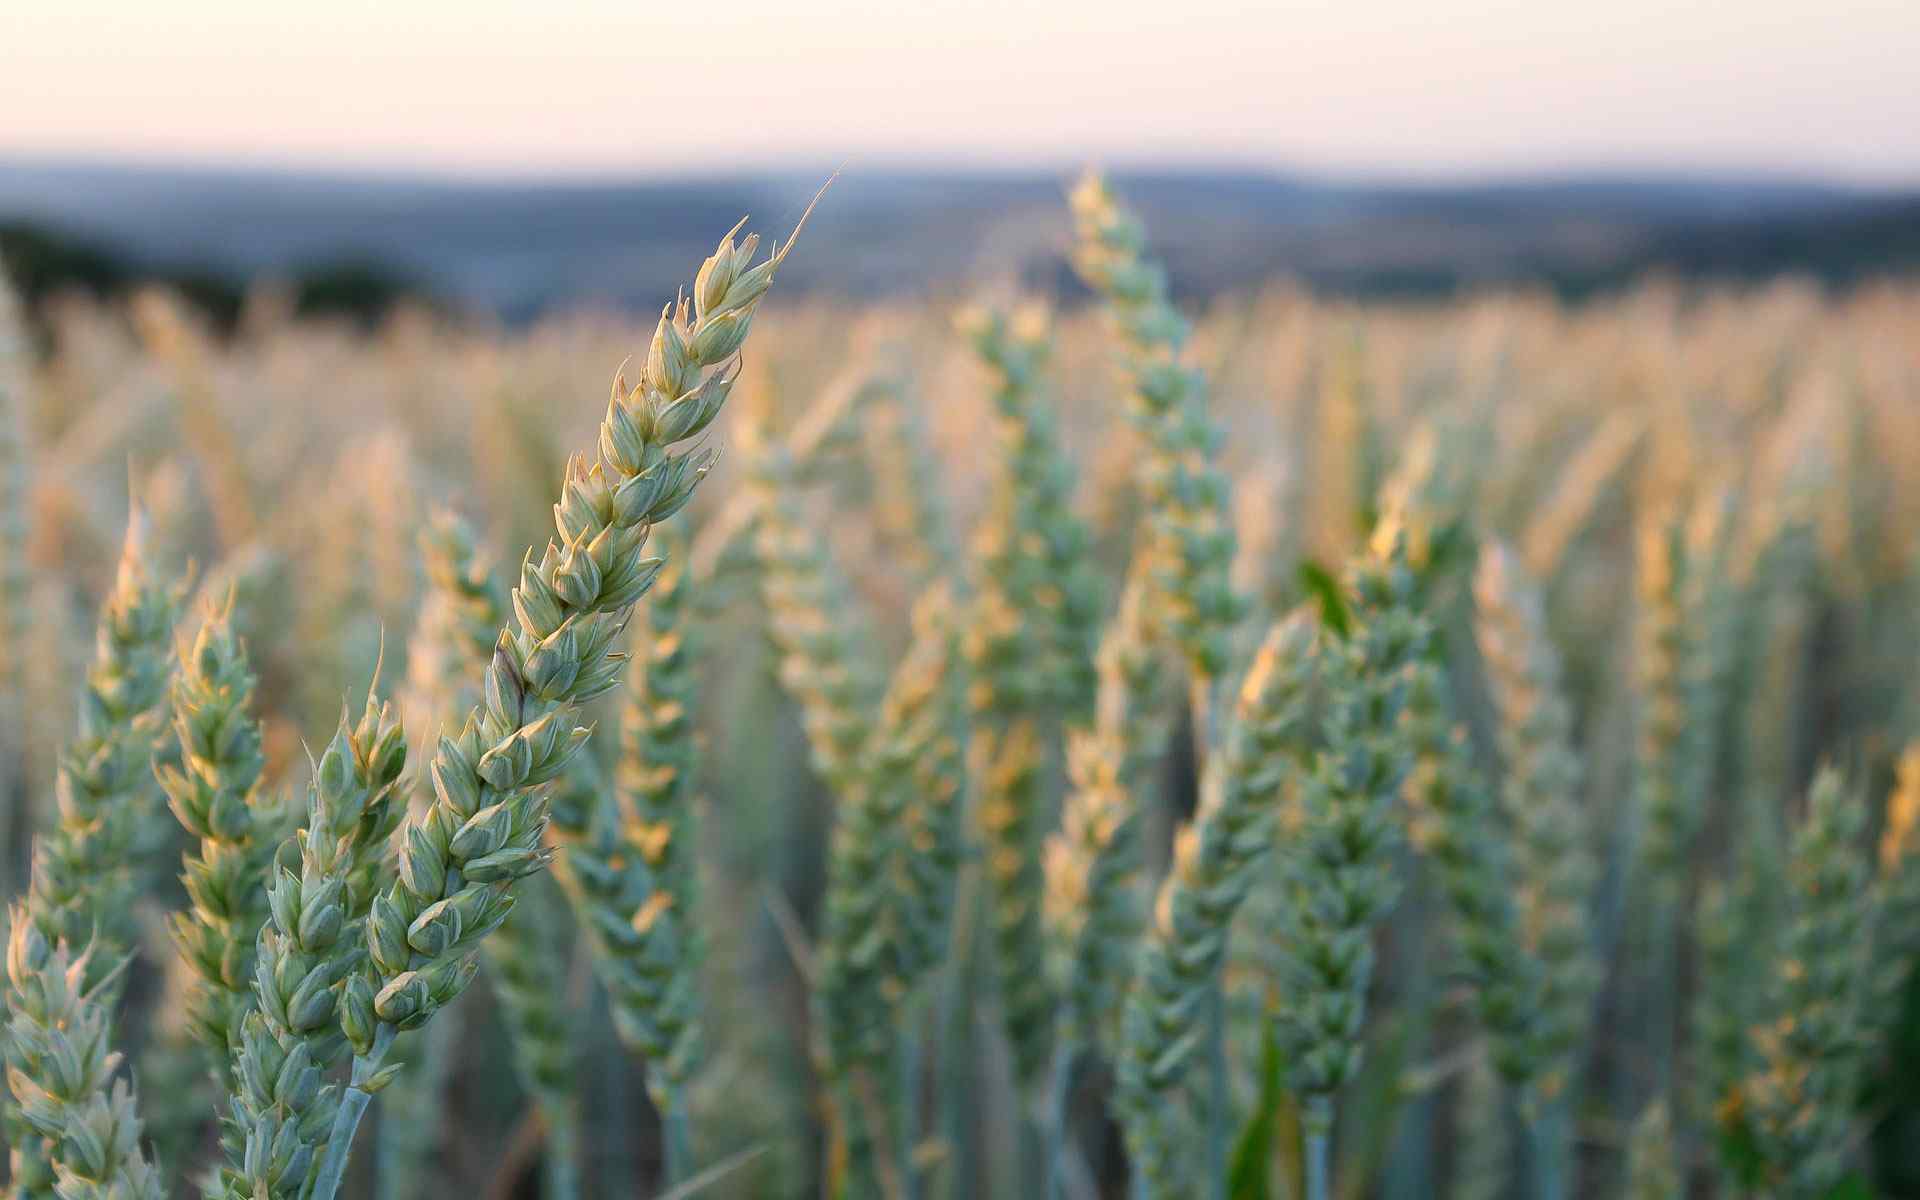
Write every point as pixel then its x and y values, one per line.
pixel 1456 825
pixel 216 795
pixel 1214 861
pixel 1186 490
pixel 1033 552
pixel 896 852
pixel 83 881
pixel 1541 799
pixel 1798 1102
pixel 324 880
pixel 109 803
pixel 61 1067
pixel 483 832
pixel 1340 869
pixel 1093 911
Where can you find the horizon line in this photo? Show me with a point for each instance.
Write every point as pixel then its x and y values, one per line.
pixel 934 165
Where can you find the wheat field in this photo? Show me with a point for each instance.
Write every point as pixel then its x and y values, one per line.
pixel 1061 747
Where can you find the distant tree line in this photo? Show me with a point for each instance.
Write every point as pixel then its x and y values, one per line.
pixel 43 263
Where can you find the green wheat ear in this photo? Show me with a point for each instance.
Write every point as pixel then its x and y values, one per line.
pixel 1179 474
pixel 216 794
pixel 62 1068
pixel 1798 1102
pixel 1215 857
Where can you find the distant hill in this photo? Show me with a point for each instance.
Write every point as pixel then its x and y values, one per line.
pixel 518 248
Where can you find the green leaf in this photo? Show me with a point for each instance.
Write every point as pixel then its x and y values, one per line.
pixel 1248 1172
pixel 1319 583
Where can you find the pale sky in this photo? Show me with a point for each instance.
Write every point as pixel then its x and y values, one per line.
pixel 629 87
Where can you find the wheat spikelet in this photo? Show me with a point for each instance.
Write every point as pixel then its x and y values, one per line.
pixel 1733 941
pixel 919 746
pixel 1187 493
pixel 1214 861
pixel 628 867
pixel 660 1015
pixel 60 1069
